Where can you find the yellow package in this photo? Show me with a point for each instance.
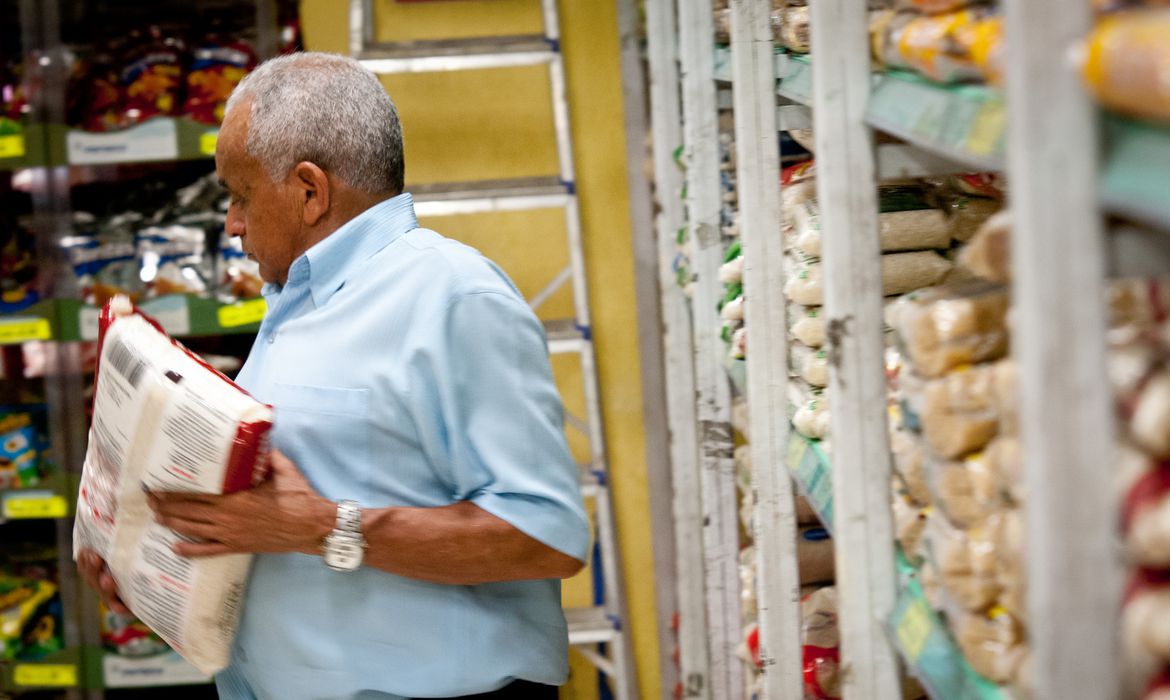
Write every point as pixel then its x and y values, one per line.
pixel 933 46
pixel 1127 61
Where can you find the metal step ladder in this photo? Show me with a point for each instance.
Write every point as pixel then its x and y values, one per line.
pixel 597 633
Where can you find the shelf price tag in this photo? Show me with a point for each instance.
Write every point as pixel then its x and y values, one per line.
pixel 12 146
pixel 45 675
pixel 242 313
pixel 987 129
pixel 913 629
pixel 207 142
pixel 155 139
pixel 23 330
pixel 28 507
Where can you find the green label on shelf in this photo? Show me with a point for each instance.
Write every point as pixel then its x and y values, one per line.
pixel 913 629
pixel 45 675
pixel 26 507
pixel 23 330
pixel 207 142
pixel 987 129
pixel 814 475
pixel 12 146
pixel 242 313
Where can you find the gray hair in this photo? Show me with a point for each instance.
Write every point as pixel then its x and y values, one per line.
pixel 326 109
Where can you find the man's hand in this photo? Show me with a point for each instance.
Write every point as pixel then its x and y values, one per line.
pixel 284 514
pixel 93 569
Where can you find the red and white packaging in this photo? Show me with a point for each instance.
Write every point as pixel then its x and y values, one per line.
pixel 164 420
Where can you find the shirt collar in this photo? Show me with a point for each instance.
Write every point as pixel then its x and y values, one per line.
pixel 329 263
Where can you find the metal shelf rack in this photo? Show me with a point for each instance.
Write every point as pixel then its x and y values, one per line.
pixel 1045 132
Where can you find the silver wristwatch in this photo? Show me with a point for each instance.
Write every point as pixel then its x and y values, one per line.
pixel 345 546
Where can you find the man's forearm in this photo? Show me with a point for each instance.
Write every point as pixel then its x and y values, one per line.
pixel 459 544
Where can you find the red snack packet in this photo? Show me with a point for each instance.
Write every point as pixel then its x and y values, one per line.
pixel 217 66
pixel 152 77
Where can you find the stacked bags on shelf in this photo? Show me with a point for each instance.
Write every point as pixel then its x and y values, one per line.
pixel 814 548
pixel 176 247
pixel 723 20
pixel 944 40
pixel 919 223
pixel 954 437
pixel 729 211
pixel 1139 371
pixel 731 311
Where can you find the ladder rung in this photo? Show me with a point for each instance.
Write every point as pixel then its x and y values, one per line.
pixel 590 626
pixel 458 54
pixel 490 195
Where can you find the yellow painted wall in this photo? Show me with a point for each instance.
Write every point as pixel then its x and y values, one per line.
pixel 498 124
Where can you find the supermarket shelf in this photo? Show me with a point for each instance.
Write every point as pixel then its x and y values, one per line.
pixel 458 54
pixel 491 195
pixel 57 671
pixel 926 646
pixel 51 499
pixel 813 473
pixel 966 124
pixel 106 669
pixel 1135 182
pixel 181 315
pixel 158 139
pixel 590 626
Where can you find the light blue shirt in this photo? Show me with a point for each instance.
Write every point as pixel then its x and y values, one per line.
pixel 407 370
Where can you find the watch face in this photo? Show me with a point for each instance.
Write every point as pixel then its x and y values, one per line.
pixel 343 553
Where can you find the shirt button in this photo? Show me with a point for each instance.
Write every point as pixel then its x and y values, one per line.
pixel 271 338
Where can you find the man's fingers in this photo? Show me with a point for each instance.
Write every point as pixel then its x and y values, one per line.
pixel 179 498
pixel 191 528
pixel 182 509
pixel 109 591
pixel 201 549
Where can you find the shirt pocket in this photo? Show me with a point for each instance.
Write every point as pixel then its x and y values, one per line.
pixel 326 431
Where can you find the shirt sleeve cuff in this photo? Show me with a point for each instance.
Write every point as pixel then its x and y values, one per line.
pixel 543 520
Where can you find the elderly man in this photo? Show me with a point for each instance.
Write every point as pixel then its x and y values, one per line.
pixel 423 502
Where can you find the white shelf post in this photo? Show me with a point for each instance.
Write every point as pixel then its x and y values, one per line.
pixel 847 189
pixel 1058 253
pixel 666 125
pixel 713 391
pixel 758 177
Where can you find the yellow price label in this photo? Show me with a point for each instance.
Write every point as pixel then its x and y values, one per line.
pixel 914 629
pixel 207 141
pixel 12 146
pixel 45 675
pixel 242 313
pixel 23 330
pixel 987 129
pixel 796 449
pixel 21 507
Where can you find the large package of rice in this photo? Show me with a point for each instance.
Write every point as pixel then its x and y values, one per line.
pixel 163 420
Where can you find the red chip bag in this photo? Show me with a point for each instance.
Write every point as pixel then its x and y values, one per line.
pixel 152 77
pixel 217 66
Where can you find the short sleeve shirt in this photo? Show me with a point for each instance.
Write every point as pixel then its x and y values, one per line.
pixel 406 370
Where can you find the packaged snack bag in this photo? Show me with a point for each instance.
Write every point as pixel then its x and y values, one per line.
pixel 163 420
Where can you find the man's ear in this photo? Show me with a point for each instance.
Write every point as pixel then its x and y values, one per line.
pixel 312 187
